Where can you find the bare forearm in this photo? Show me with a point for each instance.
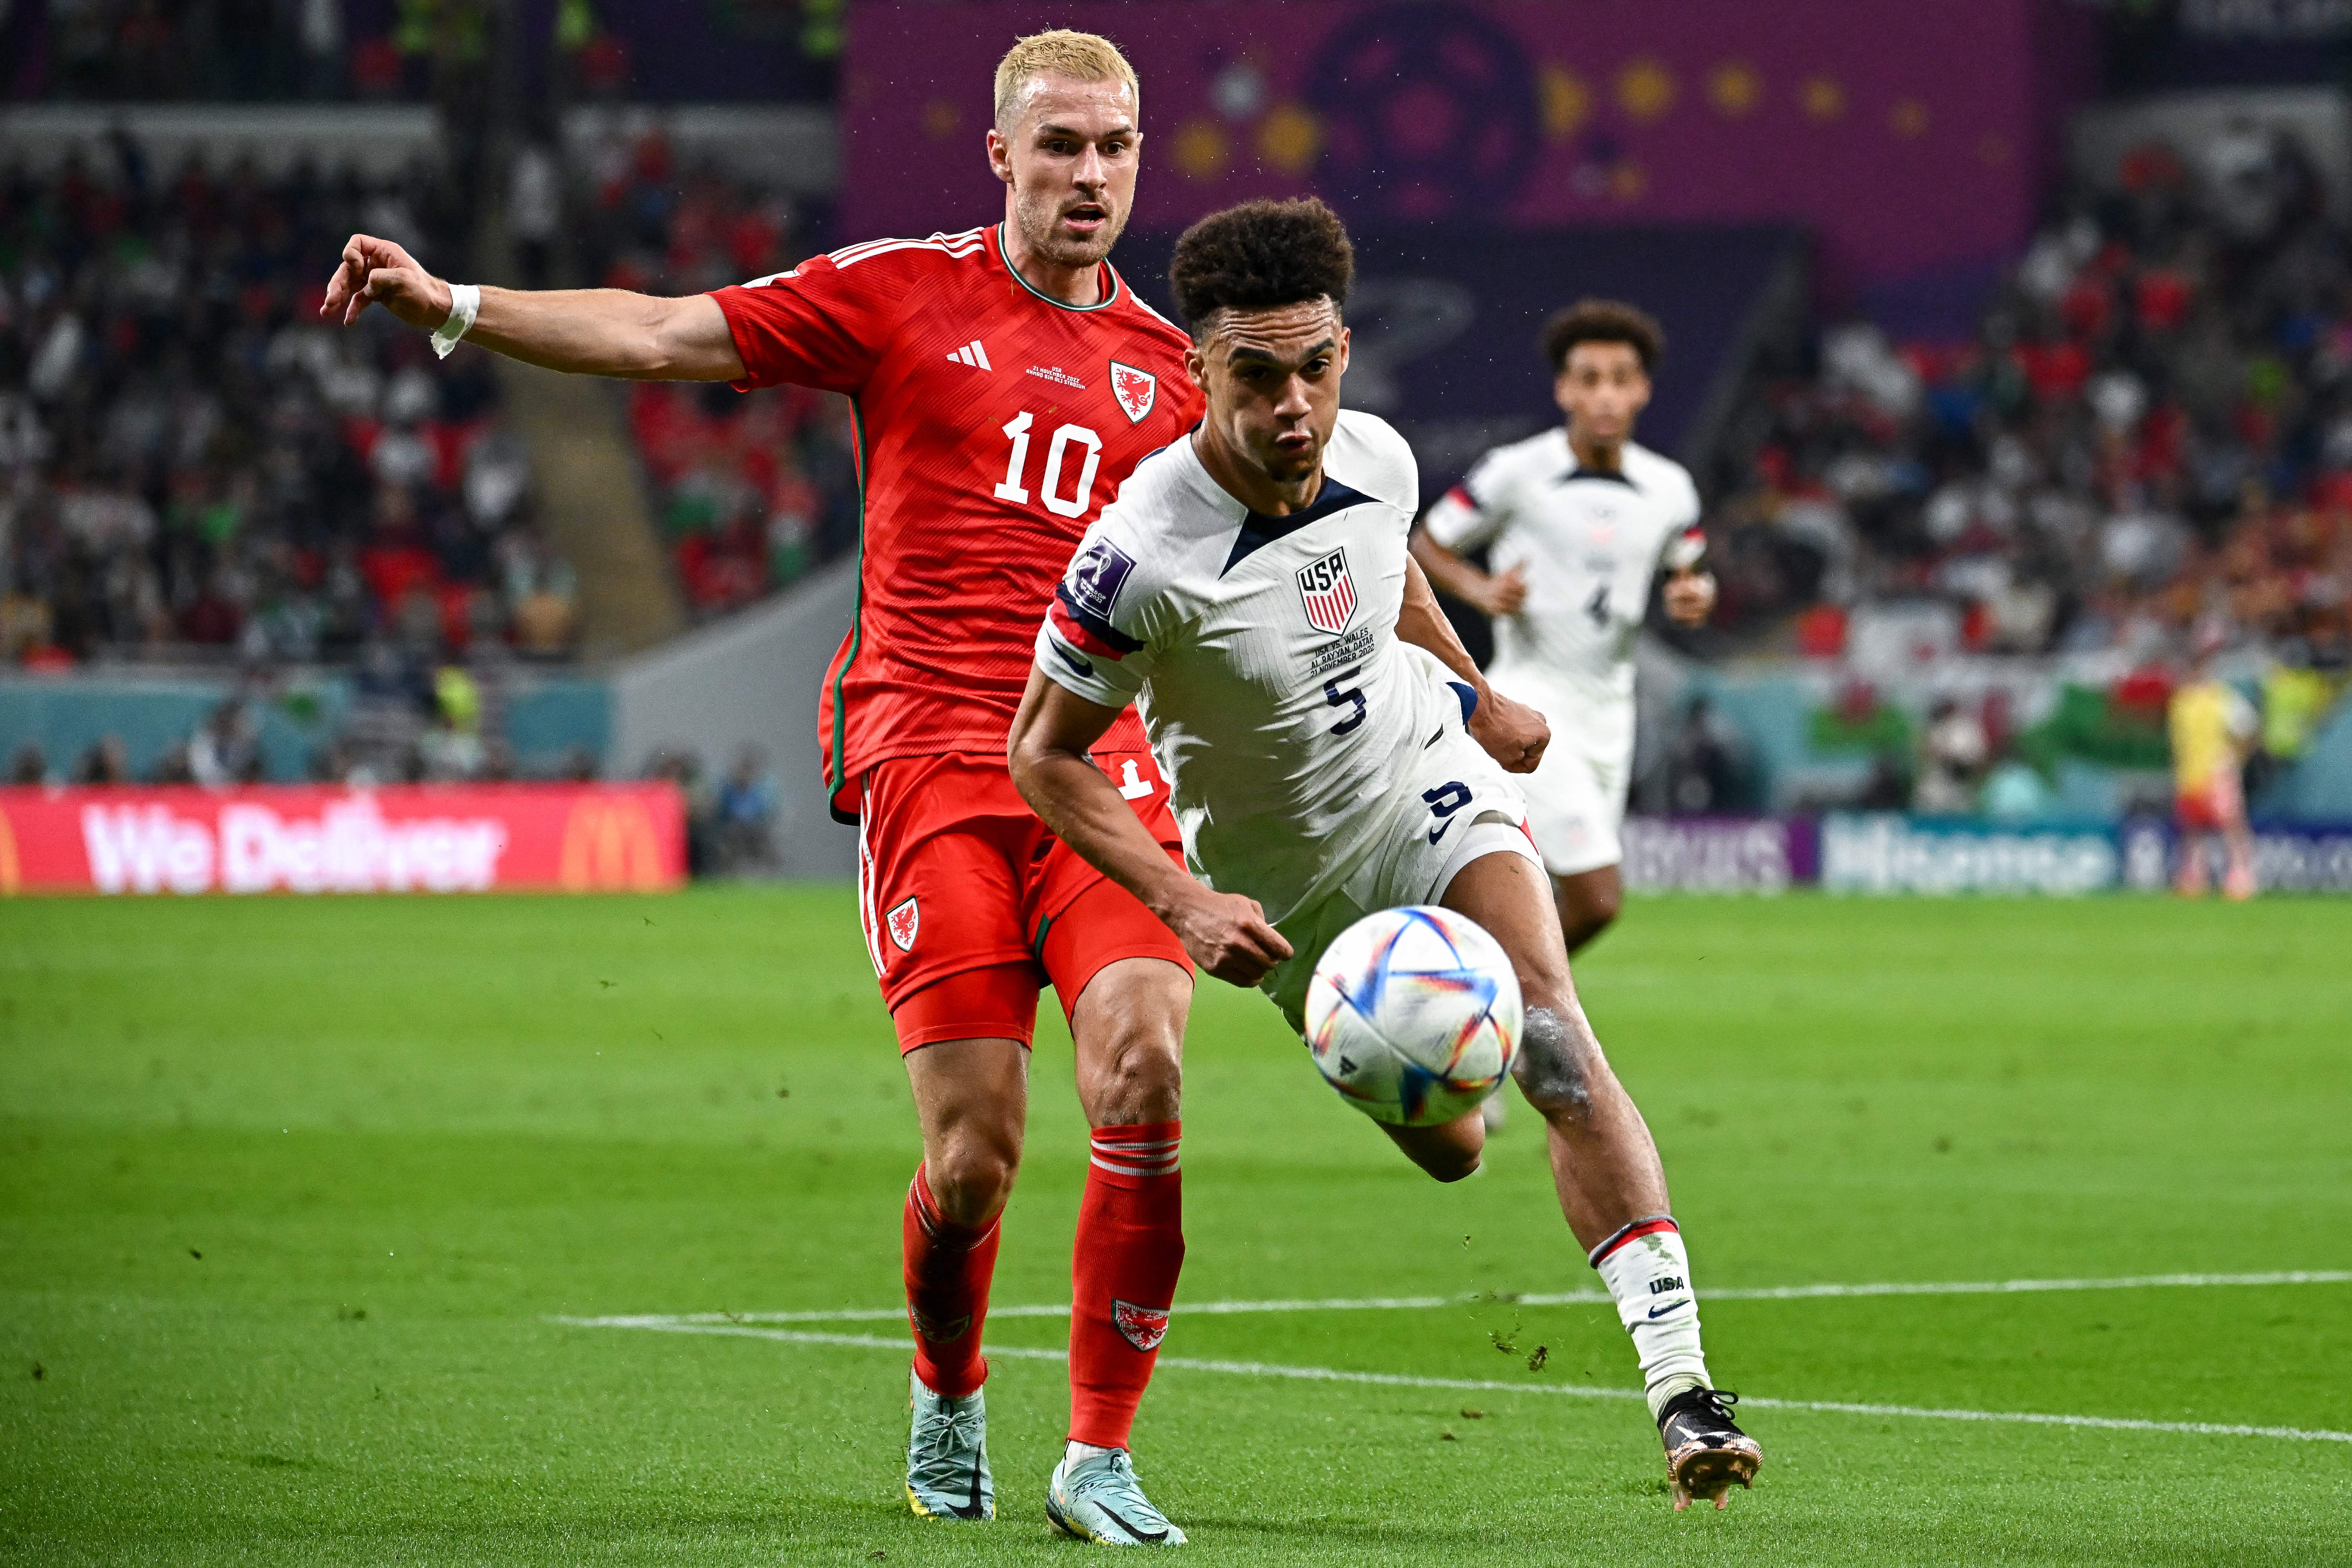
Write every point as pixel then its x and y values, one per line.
pixel 595 332
pixel 1421 623
pixel 1449 572
pixel 608 331
pixel 1085 810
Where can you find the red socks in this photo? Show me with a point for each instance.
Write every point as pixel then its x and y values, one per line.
pixel 1130 1245
pixel 948 1268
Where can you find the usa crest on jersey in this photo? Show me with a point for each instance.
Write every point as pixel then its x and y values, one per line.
pixel 1329 593
pixel 1136 390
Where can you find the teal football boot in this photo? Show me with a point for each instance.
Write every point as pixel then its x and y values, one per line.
pixel 947 1455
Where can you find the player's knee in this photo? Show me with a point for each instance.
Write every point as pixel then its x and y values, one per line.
pixel 1132 1080
pixel 971 1178
pixel 1553 1070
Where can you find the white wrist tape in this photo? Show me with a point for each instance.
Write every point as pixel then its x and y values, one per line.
pixel 464 304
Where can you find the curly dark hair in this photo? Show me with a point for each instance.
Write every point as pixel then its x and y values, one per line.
pixel 1261 253
pixel 1603 322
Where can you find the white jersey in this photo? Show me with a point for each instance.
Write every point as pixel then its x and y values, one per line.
pixel 1292 725
pixel 1587 544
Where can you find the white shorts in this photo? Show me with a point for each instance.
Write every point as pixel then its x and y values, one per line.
pixel 1458 807
pixel 1576 798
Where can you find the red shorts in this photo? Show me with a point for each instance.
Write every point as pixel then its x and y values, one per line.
pixel 2216 808
pixel 971 904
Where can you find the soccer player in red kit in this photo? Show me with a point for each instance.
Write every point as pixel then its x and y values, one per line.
pixel 1007 380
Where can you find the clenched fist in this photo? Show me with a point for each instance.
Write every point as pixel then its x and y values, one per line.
pixel 377 272
pixel 1513 733
pixel 1228 935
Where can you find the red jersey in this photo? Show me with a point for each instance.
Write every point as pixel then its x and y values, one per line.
pixel 993 424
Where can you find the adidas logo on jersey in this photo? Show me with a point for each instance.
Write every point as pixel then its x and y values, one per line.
pixel 971 353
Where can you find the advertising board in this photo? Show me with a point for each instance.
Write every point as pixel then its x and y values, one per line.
pixel 262 839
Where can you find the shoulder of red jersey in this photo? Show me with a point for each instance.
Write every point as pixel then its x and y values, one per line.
pixel 1178 338
pixel 897 254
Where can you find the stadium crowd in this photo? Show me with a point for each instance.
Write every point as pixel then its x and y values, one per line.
pixel 192 464
pixel 752 489
pixel 2150 430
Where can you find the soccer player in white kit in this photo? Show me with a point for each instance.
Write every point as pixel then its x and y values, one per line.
pixel 1579 520
pixel 1330 749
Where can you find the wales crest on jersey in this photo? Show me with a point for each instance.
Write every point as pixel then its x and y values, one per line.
pixel 1329 594
pixel 1136 390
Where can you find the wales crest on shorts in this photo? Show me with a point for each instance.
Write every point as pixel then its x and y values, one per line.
pixel 1329 593
pixel 903 921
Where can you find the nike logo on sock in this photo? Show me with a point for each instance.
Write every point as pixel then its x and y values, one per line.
pixel 1662 1311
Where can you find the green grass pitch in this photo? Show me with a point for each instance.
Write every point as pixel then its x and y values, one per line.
pixel 292 1193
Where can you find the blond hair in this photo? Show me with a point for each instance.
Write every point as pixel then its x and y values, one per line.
pixel 1080 57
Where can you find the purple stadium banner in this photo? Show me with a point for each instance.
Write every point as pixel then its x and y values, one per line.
pixel 1718 854
pixel 2289 857
pixel 1912 138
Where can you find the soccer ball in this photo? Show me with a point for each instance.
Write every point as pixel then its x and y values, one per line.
pixel 1414 1015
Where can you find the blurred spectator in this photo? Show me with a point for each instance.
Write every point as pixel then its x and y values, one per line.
pixel 684 769
pixel 105 762
pixel 1703 769
pixel 452 745
pixel 28 766
pixel 1952 758
pixel 535 211
pixel 226 748
pixel 745 815
pixel 192 466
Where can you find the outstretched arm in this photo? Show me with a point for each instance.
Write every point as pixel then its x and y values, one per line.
pixel 1489 594
pixel 1228 935
pixel 1513 733
pixel 594 331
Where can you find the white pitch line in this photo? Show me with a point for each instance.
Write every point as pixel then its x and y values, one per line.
pixel 1574 1297
pixel 1484 1386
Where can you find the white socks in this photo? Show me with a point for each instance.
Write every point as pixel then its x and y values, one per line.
pixel 1077 1450
pixel 1648 1276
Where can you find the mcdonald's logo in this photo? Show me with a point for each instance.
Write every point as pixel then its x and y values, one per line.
pixel 610 845
pixel 12 876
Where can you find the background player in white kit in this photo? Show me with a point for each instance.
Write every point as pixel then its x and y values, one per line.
pixel 1330 749
pixel 1578 520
